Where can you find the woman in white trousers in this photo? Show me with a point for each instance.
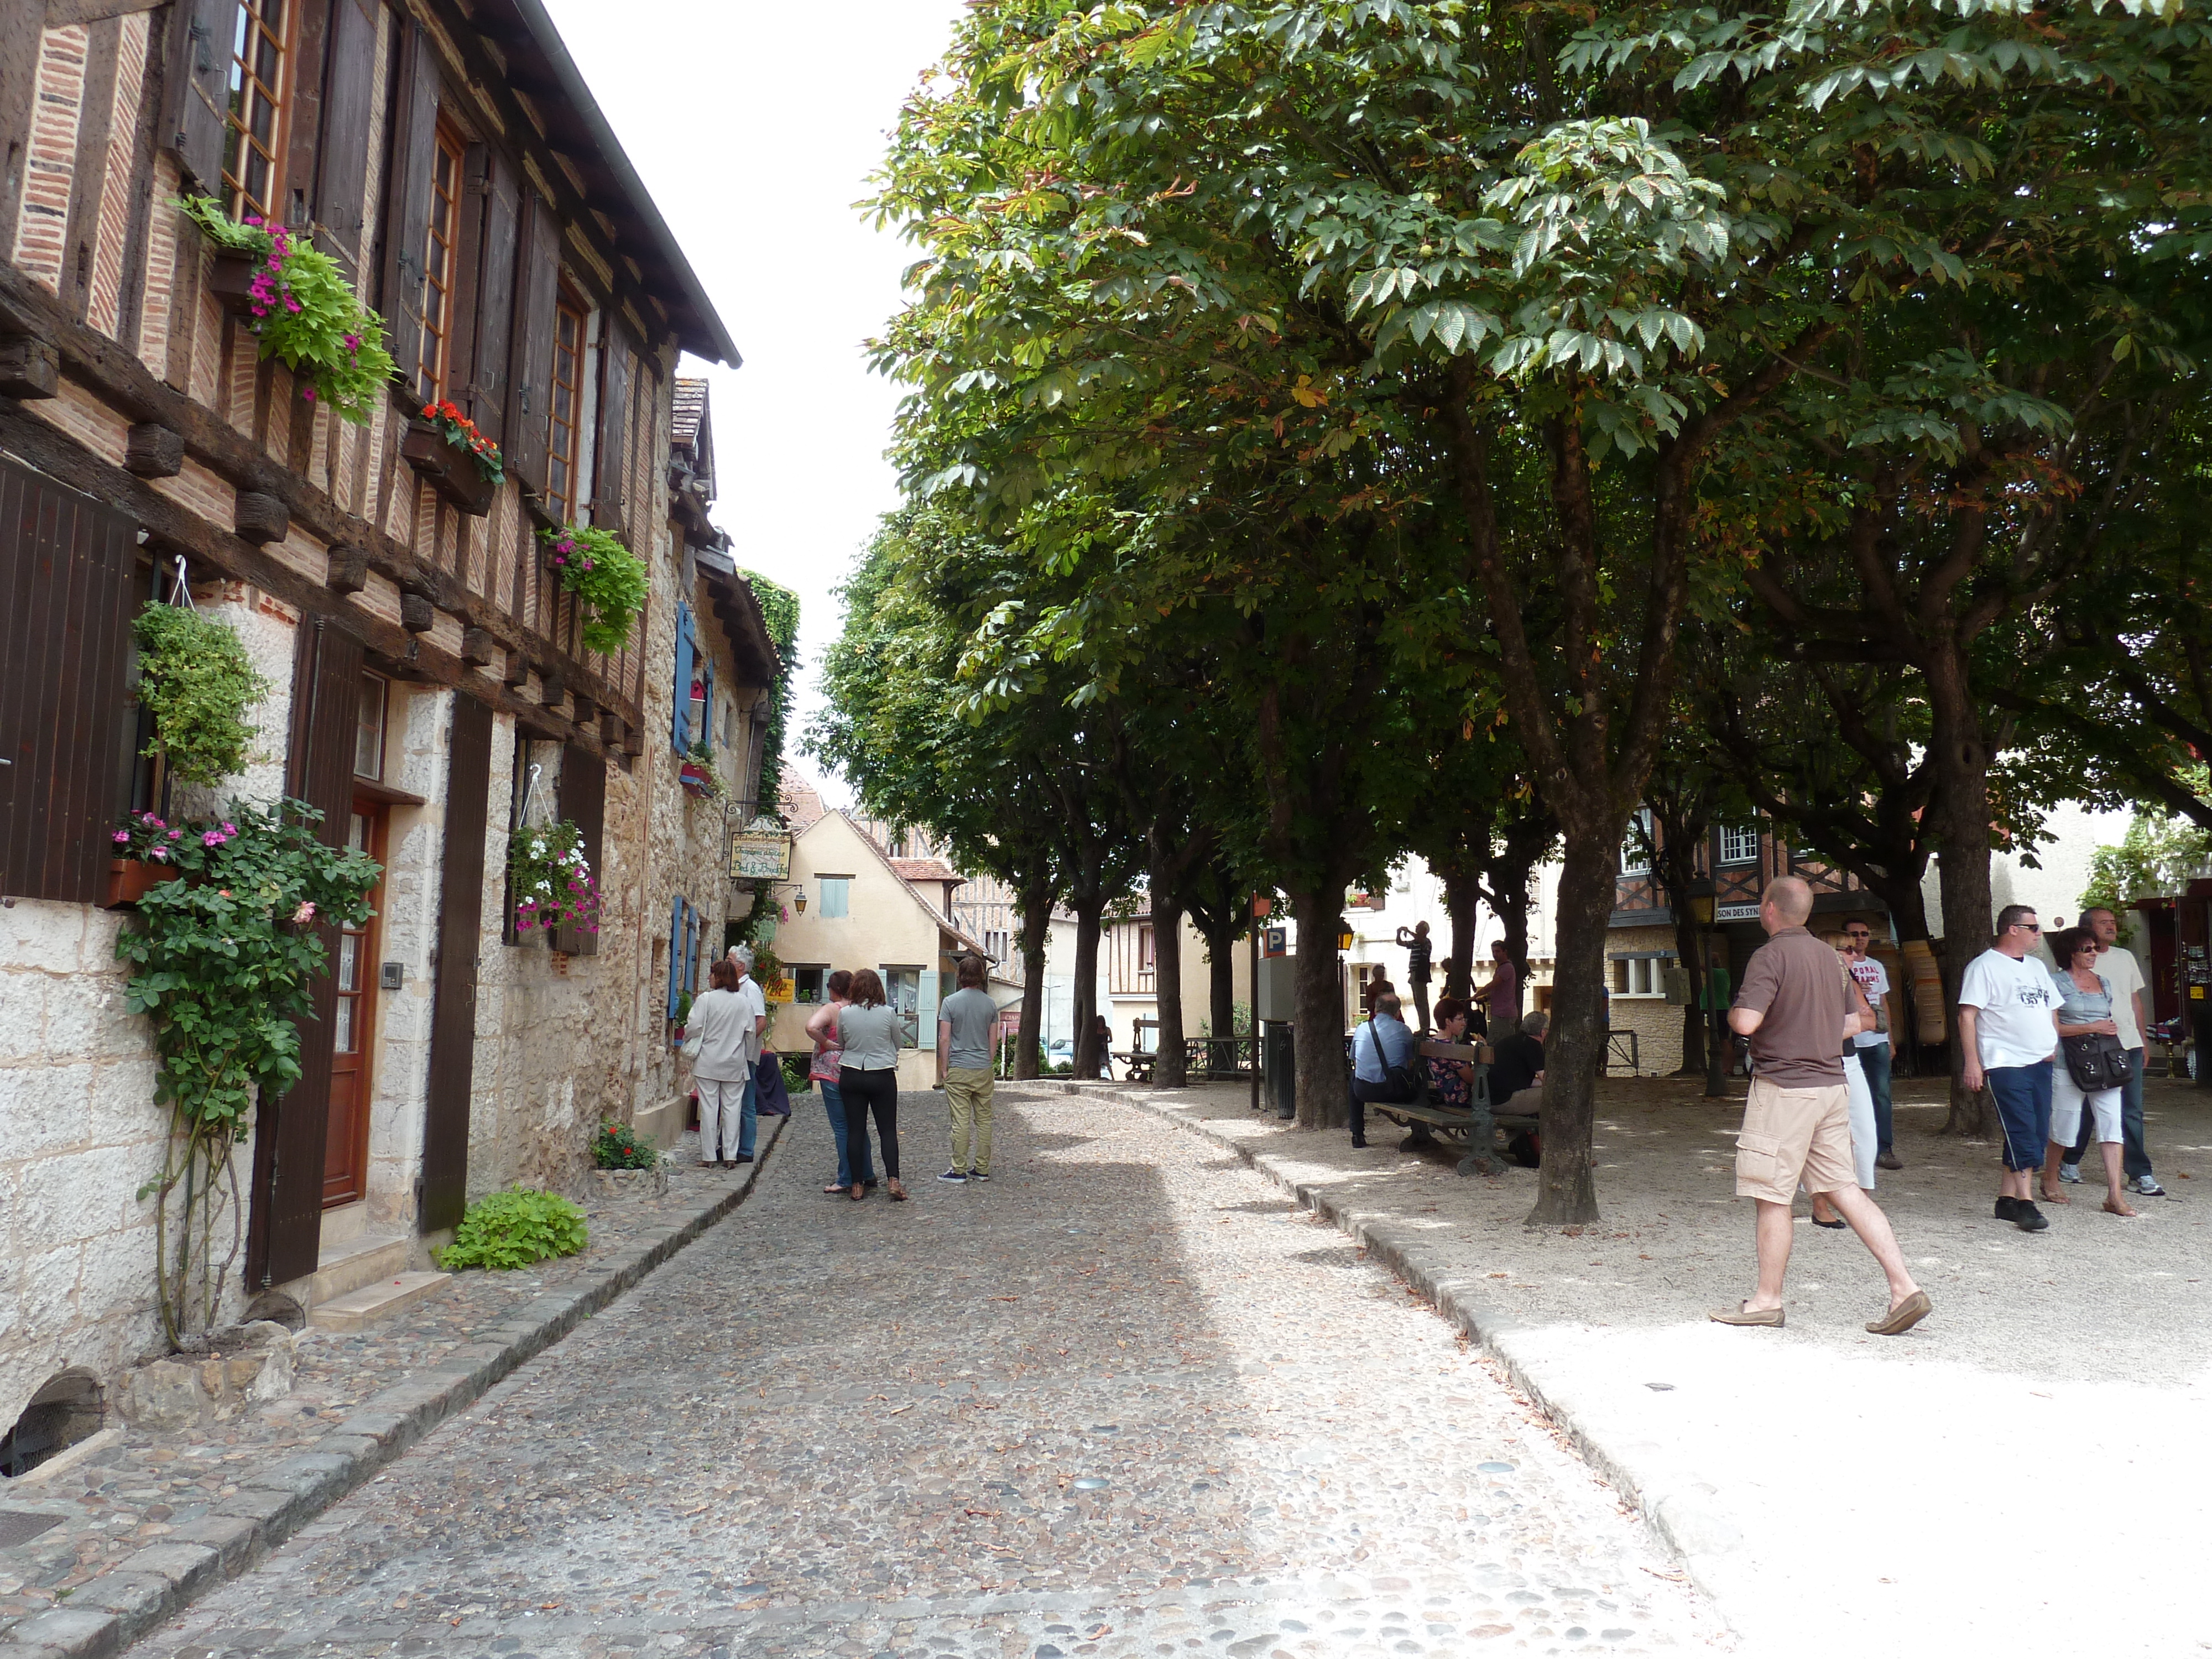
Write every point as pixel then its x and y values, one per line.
pixel 714 1040
pixel 1865 1142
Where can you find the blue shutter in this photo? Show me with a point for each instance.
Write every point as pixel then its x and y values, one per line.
pixel 680 723
pixel 707 708
pixel 695 936
pixel 675 958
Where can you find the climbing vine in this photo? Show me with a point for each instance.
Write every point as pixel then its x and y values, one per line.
pixel 780 610
pixel 224 964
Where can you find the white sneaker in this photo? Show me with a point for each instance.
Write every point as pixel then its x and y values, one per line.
pixel 2070 1173
pixel 2148 1187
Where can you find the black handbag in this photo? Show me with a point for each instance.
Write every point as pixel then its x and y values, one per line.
pixel 2095 1061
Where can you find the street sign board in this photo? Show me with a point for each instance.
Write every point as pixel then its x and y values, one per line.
pixel 760 855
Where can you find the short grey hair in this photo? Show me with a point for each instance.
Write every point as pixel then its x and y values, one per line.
pixel 743 956
pixel 1535 1022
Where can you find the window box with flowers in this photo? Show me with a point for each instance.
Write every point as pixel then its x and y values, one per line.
pixel 147 848
pixel 294 301
pixel 444 447
pixel 697 775
pixel 608 581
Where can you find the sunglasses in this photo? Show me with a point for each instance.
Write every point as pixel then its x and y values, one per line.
pixel 2029 926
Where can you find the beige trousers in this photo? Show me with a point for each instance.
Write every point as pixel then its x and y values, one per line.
pixel 967 1098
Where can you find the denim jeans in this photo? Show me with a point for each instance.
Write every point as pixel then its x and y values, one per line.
pixel 832 1102
pixel 2134 1159
pixel 2022 1094
pixel 749 1118
pixel 1873 1060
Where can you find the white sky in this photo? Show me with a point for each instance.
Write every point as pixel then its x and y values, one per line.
pixel 755 132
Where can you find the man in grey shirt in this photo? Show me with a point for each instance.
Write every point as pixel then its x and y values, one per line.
pixel 970 1018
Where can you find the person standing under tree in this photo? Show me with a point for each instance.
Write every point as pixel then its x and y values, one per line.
pixel 1501 998
pixel 2009 1029
pixel 969 1018
pixel 1796 1122
pixel 1418 958
pixel 1873 1048
pixel 2126 975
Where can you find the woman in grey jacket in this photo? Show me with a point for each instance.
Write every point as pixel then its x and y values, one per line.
pixel 867 1035
pixel 714 1034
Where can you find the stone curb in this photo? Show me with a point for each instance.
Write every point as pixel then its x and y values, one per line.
pixel 1679 1511
pixel 145 1590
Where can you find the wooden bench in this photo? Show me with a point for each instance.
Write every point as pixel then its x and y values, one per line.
pixel 1478 1125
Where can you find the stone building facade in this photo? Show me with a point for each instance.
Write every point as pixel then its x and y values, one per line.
pixel 431 688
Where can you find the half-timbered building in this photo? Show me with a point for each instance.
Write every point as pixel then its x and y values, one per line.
pixel 433 688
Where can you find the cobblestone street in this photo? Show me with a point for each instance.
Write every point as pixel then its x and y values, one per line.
pixel 1124 1398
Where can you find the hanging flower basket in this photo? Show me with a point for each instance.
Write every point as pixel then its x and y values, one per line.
pixel 450 470
pixel 231 280
pixel 608 581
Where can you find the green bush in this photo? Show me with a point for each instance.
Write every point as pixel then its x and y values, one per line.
pixel 513 1229
pixel 618 1146
pixel 798 1073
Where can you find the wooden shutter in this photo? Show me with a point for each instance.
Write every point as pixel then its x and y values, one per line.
pixel 583 802
pixel 679 731
pixel 407 198
pixel 453 1000
pixel 286 1227
pixel 201 36
pixel 610 509
pixel 303 108
pixel 484 389
pixel 341 189
pixel 69 588
pixel 675 955
pixel 530 367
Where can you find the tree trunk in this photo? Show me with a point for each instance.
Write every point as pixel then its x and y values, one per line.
pixel 1221 988
pixel 1088 1048
pixel 1961 800
pixel 1574 1048
pixel 1317 1031
pixel 1689 951
pixel 1461 894
pixel 1171 1069
pixel 1036 928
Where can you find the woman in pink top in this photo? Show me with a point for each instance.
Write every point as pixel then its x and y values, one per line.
pixel 822 1028
pixel 1501 998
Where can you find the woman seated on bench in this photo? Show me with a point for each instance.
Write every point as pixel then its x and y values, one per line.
pixel 1452 1079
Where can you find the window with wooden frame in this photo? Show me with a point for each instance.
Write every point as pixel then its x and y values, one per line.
pixel 253 124
pixel 369 727
pixel 438 264
pixel 564 443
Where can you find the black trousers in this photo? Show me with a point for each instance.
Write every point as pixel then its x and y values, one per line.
pixel 1362 1091
pixel 864 1092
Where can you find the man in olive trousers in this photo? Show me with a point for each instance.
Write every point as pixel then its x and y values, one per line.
pixel 971 1019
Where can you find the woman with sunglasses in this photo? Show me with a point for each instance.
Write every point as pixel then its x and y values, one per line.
pixel 2085 1009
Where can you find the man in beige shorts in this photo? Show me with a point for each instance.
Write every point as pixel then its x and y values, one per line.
pixel 1797 1123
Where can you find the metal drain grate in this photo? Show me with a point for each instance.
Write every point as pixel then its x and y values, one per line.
pixel 21 1526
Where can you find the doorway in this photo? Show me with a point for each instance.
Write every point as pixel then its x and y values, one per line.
pixel 353 1027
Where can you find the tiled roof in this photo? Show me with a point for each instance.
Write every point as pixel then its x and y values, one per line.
pixel 927 870
pixel 802 801
pixel 691 402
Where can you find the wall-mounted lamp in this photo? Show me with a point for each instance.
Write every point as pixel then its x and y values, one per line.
pixel 1343 938
pixel 798 901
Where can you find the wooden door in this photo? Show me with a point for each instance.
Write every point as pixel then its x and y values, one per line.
pixel 353 1029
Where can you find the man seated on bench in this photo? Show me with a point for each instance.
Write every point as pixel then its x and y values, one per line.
pixel 1383 1063
pixel 1520 1062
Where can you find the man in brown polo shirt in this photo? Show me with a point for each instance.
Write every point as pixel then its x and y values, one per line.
pixel 1794 1007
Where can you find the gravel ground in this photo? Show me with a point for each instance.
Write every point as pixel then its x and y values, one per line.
pixel 149 1485
pixel 2039 1438
pixel 1126 1398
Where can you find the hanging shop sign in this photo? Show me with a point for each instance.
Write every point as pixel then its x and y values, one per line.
pixel 761 851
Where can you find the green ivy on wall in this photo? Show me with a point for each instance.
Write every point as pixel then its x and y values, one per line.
pixel 780 610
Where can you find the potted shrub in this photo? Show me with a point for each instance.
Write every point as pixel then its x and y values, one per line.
pixel 196 679
pixel 608 580
pixel 444 447
pixel 295 300
pixel 146 851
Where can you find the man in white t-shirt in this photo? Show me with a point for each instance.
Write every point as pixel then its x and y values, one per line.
pixel 1874 1052
pixel 2125 975
pixel 748 988
pixel 2008 1029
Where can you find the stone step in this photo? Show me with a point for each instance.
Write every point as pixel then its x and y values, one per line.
pixel 356 1309
pixel 340 1267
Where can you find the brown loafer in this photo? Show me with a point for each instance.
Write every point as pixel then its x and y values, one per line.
pixel 1904 1316
pixel 1743 1314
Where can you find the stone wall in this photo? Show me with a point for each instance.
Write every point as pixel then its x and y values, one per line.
pixel 1657 1022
